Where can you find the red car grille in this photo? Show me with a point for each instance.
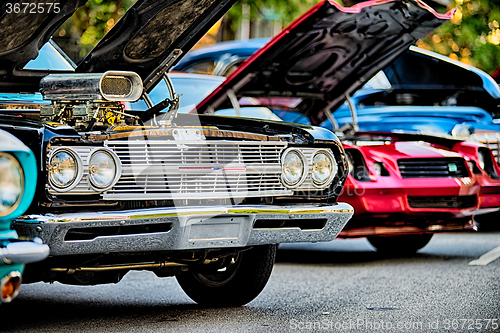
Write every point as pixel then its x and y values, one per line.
pixel 466 201
pixel 432 167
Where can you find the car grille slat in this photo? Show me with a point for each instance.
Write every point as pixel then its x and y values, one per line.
pixel 205 169
pixel 432 168
pixel 459 202
pixel 194 153
pixel 175 169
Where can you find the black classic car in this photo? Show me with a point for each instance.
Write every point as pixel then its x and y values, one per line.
pixel 199 197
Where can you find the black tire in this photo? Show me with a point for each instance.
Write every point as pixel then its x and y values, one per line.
pixel 405 244
pixel 233 281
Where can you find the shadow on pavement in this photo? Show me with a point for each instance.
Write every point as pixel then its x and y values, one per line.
pixel 306 254
pixel 60 315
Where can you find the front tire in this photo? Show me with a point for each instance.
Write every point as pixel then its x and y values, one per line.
pixel 405 244
pixel 232 281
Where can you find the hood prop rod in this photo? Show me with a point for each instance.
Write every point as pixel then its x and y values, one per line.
pixel 330 117
pixel 234 101
pixel 352 127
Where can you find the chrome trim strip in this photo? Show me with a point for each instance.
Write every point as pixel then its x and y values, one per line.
pixel 203 195
pixel 185 211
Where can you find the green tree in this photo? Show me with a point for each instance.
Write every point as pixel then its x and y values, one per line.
pixel 285 10
pixel 81 33
pixel 472 36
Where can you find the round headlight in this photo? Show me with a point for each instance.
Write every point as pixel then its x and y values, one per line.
pixel 472 166
pixel 11 183
pixel 293 167
pixel 65 169
pixel 323 167
pixel 461 131
pixel 350 162
pixel 377 166
pixel 481 158
pixel 103 169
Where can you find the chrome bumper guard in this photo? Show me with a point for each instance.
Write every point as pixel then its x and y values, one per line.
pixel 184 228
pixel 24 252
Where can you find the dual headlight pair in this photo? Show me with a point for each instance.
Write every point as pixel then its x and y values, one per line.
pixel 295 168
pixel 66 169
pixel 11 183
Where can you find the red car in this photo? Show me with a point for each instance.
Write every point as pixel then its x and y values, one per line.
pixel 403 192
pixel 404 188
pixel 486 171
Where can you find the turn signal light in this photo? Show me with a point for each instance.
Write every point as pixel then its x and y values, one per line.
pixel 10 286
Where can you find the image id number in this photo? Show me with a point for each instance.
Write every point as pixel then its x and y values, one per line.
pixel 32 8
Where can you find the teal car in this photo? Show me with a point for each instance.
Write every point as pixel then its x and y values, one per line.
pixel 17 188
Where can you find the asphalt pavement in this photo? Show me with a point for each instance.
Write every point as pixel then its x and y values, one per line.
pixel 341 286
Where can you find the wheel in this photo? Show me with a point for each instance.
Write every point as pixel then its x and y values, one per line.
pixel 400 244
pixel 231 281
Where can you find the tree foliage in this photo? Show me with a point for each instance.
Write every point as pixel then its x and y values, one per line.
pixel 472 36
pixel 284 10
pixel 90 23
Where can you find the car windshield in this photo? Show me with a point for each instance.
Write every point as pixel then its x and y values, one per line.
pixel 194 88
pixel 379 81
pixel 50 57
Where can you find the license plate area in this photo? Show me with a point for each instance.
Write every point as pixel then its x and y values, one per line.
pixel 216 232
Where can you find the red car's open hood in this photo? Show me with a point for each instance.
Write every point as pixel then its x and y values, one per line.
pixel 328 52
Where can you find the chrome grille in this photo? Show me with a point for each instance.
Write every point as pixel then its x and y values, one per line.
pixel 176 169
pixel 160 170
pixel 491 140
pixel 185 152
pixel 432 167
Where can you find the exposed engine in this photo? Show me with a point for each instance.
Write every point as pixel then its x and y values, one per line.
pixel 87 101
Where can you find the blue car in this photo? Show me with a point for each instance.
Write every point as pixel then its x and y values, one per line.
pixel 421 93
pixel 17 188
pixel 220 59
pixel 426 93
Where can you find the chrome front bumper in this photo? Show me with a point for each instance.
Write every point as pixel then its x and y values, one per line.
pixel 184 228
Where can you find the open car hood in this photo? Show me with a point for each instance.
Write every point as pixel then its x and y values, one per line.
pixel 148 39
pixel 419 69
pixel 23 34
pixel 385 137
pixel 328 52
pixel 151 37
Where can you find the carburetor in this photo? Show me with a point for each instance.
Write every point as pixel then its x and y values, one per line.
pixel 85 101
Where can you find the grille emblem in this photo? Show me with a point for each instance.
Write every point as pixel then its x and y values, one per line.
pixel 212 169
pixel 452 167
